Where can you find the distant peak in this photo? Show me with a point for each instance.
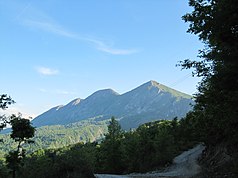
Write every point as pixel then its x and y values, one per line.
pixel 154 83
pixel 105 92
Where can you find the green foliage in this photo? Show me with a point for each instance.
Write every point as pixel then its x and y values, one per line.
pixel 59 136
pixel 21 128
pixel 21 132
pixel 3 169
pixel 71 161
pixel 14 161
pixel 216 24
pixel 111 148
pixel 4 102
pixel 153 145
pixel 214 117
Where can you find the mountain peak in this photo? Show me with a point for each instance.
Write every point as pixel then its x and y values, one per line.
pixel 151 83
pixel 104 92
pixel 154 84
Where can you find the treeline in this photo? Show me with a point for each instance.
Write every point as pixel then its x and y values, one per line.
pixel 151 146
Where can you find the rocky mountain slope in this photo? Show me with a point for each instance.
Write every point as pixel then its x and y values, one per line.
pixel 148 102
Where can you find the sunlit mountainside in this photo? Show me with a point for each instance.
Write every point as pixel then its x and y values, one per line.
pixel 148 102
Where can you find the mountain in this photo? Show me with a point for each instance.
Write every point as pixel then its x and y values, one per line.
pixel 148 102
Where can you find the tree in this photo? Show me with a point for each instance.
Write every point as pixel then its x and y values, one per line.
pixel 131 151
pixel 4 102
pixel 22 131
pixel 216 24
pixel 114 131
pixel 111 148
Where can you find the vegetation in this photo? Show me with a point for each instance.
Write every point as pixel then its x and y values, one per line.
pixel 153 145
pixel 51 163
pixel 4 102
pixel 215 112
pixel 216 24
pixel 58 136
pixel 22 131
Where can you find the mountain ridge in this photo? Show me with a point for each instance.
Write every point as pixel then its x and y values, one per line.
pixel 147 102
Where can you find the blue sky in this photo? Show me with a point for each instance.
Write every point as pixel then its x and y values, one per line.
pixel 54 51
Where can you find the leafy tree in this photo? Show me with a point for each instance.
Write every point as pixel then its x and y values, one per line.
pixel 216 24
pixel 22 131
pixel 4 102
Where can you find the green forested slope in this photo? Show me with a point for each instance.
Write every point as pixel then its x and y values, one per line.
pixel 59 136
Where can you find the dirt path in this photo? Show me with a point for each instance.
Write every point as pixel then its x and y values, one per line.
pixel 184 165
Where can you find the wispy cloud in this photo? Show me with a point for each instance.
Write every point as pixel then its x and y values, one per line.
pixel 50 27
pixel 34 18
pixel 56 29
pixel 47 71
pixel 102 46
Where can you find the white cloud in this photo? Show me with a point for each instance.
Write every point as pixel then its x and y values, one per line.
pixel 34 18
pixel 47 71
pixel 56 29
pixel 102 46
pixel 118 51
pixel 50 27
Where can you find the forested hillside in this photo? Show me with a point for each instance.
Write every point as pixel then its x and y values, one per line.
pixel 60 135
pixel 149 147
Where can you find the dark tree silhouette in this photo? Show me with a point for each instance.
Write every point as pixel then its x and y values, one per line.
pixel 4 102
pixel 22 131
pixel 112 147
pixel 216 24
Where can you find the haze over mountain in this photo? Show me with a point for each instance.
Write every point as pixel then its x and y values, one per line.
pixel 148 102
